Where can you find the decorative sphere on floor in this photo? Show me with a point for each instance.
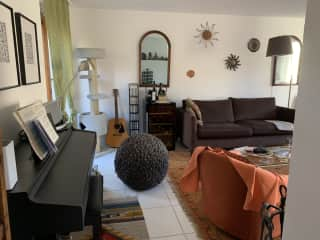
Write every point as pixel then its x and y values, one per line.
pixel 142 161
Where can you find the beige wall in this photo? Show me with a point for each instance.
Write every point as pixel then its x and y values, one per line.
pixel 303 211
pixel 119 33
pixel 10 99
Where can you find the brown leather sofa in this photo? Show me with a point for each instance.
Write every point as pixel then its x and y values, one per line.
pixel 236 122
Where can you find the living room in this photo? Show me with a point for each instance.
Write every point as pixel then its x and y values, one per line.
pixel 193 154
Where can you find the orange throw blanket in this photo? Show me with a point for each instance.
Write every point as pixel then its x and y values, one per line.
pixel 262 185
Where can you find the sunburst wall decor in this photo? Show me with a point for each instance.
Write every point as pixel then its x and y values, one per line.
pixel 206 34
pixel 232 62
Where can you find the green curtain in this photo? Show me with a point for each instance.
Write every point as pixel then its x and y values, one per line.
pixel 58 24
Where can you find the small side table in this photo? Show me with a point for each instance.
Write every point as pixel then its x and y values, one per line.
pixel 161 122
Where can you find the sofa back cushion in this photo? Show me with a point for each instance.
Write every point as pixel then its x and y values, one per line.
pixel 219 111
pixel 254 108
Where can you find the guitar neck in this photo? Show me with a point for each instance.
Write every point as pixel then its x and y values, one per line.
pixel 116 108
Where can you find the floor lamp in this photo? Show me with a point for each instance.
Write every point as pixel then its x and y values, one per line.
pixel 95 120
pixel 281 46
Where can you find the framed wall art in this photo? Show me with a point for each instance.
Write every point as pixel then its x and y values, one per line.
pixel 9 67
pixel 28 50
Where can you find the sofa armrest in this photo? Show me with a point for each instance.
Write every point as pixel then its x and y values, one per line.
pixel 189 132
pixel 285 114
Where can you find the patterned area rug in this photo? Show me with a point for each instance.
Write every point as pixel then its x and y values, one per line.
pixel 122 219
pixel 190 201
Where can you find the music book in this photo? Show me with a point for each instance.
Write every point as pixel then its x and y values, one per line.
pixel 26 117
pixel 52 148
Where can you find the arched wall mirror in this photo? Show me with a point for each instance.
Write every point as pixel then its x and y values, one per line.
pixel 154 59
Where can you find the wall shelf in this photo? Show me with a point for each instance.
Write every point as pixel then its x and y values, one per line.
pixel 134 109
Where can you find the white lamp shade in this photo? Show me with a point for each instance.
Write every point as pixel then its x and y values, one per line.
pixel 96 53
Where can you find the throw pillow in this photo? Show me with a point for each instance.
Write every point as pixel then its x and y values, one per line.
pixel 191 104
pixel 199 122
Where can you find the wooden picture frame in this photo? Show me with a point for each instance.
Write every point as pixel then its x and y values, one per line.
pixel 9 65
pixel 168 58
pixel 28 50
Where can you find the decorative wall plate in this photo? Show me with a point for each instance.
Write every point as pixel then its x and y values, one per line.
pixel 191 73
pixel 254 45
pixel 232 62
pixel 206 34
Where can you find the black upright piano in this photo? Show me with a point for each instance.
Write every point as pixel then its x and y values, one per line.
pixel 51 196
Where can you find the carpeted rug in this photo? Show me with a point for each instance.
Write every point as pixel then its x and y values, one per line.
pixel 190 201
pixel 122 219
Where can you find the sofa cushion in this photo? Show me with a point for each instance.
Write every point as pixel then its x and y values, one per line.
pixel 262 128
pixel 223 130
pixel 219 111
pixel 254 108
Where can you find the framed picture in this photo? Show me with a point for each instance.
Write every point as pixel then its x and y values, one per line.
pixel 28 50
pixel 9 67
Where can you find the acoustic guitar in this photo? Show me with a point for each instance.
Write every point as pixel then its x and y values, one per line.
pixel 117 132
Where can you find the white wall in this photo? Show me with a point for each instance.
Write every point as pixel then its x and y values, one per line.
pixel 10 99
pixel 303 211
pixel 119 33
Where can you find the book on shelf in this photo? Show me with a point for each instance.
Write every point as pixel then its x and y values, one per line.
pixel 34 120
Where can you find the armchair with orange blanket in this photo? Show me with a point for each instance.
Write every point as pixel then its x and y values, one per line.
pixel 233 191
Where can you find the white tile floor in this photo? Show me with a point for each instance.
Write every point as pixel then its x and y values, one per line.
pixel 164 216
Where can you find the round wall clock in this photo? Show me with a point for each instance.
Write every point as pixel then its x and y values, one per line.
pixel 254 44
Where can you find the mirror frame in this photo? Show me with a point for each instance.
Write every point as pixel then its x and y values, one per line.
pixel 169 58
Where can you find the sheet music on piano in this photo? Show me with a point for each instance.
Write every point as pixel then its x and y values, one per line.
pixel 26 117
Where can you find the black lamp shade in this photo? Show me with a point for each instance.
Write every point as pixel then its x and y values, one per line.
pixel 280 46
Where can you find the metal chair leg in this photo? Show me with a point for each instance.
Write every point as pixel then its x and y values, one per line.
pixel 97 229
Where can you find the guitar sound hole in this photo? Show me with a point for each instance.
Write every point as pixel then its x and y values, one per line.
pixel 119 127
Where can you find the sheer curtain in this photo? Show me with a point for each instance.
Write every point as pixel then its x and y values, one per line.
pixel 59 34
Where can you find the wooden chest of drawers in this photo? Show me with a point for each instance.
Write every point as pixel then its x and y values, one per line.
pixel 161 122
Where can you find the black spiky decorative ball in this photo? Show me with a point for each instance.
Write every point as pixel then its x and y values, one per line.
pixel 233 62
pixel 142 162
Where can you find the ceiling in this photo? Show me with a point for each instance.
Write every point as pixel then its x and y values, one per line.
pixel 288 8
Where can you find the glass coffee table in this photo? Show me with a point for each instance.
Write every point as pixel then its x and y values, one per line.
pixel 276 160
